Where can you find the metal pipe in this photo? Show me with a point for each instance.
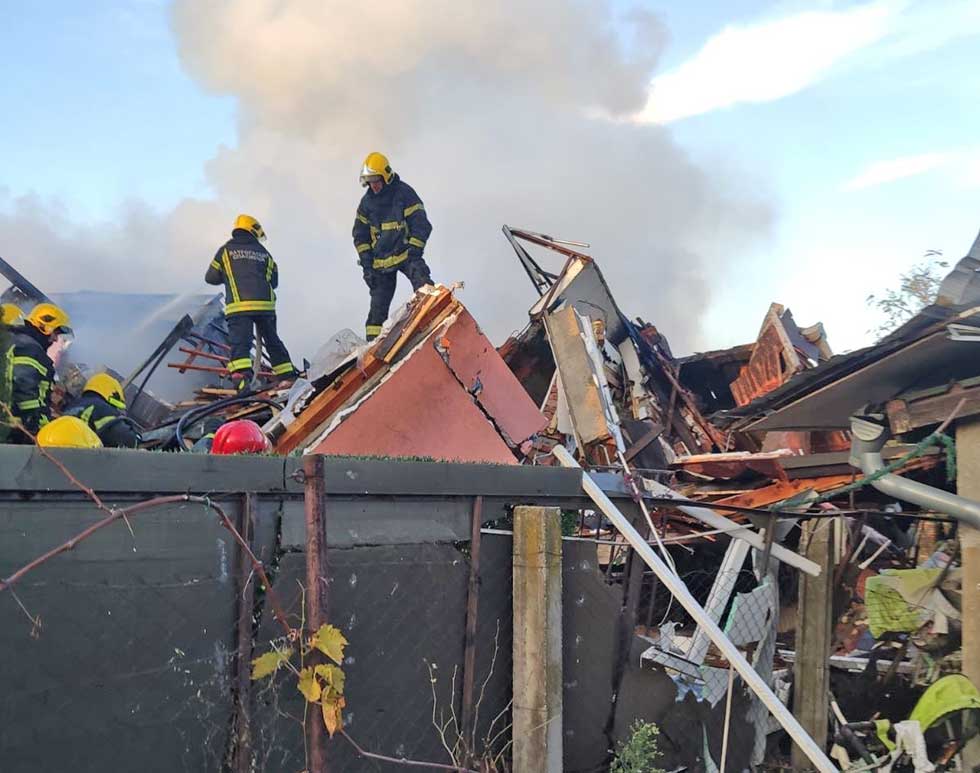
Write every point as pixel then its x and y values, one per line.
pixel 868 436
pixel 317 577
pixel 21 282
pixel 683 595
pixel 472 608
pixel 245 598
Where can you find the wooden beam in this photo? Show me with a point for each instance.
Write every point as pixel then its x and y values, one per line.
pixel 912 413
pixel 637 447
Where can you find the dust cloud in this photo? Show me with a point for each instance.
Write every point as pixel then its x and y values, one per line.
pixel 495 113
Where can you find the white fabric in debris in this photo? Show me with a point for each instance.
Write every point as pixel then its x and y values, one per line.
pixel 909 740
pixel 337 350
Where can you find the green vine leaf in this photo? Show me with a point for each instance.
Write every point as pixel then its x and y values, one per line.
pixel 267 664
pixel 332 675
pixel 331 642
pixel 309 685
pixel 331 709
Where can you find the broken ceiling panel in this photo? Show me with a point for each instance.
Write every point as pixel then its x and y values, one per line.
pixel 582 378
pixel 420 410
pixel 431 385
pixel 475 363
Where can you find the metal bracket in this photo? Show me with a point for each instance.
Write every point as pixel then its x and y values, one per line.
pixel 966 333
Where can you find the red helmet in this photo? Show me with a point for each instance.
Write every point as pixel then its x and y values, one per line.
pixel 239 437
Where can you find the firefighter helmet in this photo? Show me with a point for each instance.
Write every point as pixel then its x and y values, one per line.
pixel 49 319
pixel 11 314
pixel 241 436
pixel 68 432
pixel 106 387
pixel 376 165
pixel 250 224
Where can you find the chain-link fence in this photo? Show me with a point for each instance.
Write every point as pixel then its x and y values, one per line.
pixel 145 641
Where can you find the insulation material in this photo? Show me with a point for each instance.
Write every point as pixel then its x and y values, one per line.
pixel 339 350
pixel 640 398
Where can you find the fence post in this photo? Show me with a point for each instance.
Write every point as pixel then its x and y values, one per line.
pixel 316 593
pixel 968 485
pixel 811 680
pixel 537 710
pixel 472 607
pixel 241 748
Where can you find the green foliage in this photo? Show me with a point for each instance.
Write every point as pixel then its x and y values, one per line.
pixel 267 664
pixel 331 642
pixel 917 288
pixel 569 522
pixel 640 752
pixel 321 685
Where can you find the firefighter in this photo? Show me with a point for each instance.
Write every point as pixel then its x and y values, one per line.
pixel 31 370
pixel 250 277
pixel 11 315
pixel 390 231
pixel 102 407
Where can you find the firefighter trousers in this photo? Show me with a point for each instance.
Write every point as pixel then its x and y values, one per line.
pixel 382 287
pixel 241 338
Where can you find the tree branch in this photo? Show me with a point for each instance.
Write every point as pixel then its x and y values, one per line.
pixel 402 760
pixel 122 514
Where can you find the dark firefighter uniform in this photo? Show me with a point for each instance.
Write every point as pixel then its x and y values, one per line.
pixel 107 421
pixel 390 231
pixel 250 276
pixel 102 407
pixel 31 374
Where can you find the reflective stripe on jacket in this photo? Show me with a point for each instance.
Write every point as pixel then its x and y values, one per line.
pixel 32 374
pixel 248 272
pixel 105 420
pixel 390 227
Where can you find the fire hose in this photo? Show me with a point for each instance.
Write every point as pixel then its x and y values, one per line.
pixel 195 415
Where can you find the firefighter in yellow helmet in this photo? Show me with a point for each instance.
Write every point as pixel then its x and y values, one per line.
pixel 390 232
pixel 250 277
pixel 11 315
pixel 31 370
pixel 102 407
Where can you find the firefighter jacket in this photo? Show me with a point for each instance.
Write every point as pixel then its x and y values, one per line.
pixel 248 272
pixel 106 420
pixel 390 227
pixel 31 374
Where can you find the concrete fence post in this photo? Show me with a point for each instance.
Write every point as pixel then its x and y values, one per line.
pixel 814 637
pixel 537 709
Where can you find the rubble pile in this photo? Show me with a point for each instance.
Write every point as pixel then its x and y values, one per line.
pixel 757 441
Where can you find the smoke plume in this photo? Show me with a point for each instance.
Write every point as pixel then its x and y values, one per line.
pixel 495 113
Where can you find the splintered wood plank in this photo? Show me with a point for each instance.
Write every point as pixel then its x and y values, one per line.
pixel 433 307
pixel 325 404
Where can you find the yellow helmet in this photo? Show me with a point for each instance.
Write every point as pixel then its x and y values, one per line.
pixel 49 319
pixel 10 314
pixel 376 165
pixel 68 432
pixel 250 224
pixel 108 389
